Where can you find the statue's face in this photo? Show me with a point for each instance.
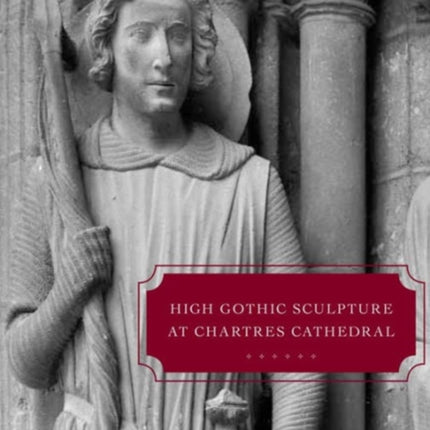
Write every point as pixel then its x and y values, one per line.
pixel 152 47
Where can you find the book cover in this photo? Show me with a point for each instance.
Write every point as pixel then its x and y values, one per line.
pixel 349 153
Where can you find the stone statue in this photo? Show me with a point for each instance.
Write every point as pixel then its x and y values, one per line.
pixel 417 257
pixel 155 188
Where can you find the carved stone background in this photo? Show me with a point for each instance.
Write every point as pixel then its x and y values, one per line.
pixel 398 147
pixel 19 71
pixel 398 153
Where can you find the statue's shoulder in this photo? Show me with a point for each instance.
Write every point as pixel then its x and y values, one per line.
pixel 88 144
pixel 421 196
pixel 418 218
pixel 229 144
pixel 234 156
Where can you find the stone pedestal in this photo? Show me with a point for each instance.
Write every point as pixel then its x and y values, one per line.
pixel 333 217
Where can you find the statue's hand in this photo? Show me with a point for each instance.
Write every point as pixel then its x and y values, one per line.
pixel 87 263
pixel 47 23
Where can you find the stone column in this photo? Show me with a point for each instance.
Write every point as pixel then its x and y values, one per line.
pixel 266 88
pixel 333 50
pixel 333 229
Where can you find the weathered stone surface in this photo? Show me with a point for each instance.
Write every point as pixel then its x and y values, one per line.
pixel 388 408
pixel 390 206
pixel 389 122
pixel 227 409
pixel 20 69
pixel 390 17
pixel 18 135
pixel 332 139
pixel 238 11
pixel 399 154
pixel 333 197
pixel 266 89
pixel 289 129
pixel 420 96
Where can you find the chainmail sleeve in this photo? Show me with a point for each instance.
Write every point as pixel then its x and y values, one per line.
pixel 281 240
pixel 44 305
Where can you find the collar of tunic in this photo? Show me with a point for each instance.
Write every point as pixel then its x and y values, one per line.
pixel 207 155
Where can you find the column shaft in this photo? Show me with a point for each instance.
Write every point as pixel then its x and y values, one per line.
pixel 332 132
pixel 333 51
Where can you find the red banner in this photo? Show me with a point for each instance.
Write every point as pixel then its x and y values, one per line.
pixel 279 322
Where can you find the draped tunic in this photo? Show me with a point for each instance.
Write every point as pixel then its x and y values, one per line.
pixel 211 202
pixel 416 254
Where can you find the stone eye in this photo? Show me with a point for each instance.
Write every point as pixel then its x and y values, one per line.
pixel 178 33
pixel 141 34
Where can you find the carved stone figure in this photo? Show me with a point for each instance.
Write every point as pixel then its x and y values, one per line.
pixel 417 257
pixel 159 188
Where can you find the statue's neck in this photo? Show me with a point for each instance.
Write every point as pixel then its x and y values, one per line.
pixel 160 133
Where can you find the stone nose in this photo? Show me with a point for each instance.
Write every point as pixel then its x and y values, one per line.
pixel 162 56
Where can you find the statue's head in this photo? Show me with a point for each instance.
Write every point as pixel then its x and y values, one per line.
pixel 135 32
pixel 223 104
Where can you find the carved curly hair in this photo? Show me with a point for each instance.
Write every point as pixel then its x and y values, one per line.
pixel 100 27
